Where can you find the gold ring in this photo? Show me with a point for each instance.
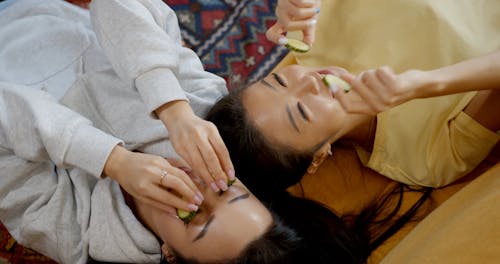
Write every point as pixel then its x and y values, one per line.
pixel 163 174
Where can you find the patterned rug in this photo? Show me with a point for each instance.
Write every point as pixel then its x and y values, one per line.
pixel 228 36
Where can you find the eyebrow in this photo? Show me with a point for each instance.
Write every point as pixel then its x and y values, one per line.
pixel 204 230
pixel 241 197
pixel 290 117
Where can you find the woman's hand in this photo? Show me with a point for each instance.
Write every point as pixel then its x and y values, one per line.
pixel 295 15
pixel 378 90
pixel 152 180
pixel 198 142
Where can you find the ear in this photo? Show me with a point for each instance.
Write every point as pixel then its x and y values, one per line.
pixel 320 155
pixel 167 253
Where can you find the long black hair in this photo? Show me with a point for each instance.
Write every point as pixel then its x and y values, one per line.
pixel 262 168
pixel 267 171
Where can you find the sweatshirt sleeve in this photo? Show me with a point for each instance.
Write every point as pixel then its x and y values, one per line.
pixel 141 39
pixel 37 128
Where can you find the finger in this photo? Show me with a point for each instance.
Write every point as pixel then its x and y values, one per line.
pixel 387 77
pixel 201 170
pixel 222 154
pixel 187 182
pixel 347 76
pixel 303 3
pixel 364 92
pixel 309 35
pixel 168 171
pixel 352 106
pixel 164 199
pixel 298 25
pixel 298 14
pixel 374 91
pixel 175 183
pixel 276 34
pixel 213 165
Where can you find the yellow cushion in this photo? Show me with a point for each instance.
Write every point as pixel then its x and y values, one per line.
pixel 423 34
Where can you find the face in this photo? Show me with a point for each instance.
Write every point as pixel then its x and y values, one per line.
pixel 293 107
pixel 224 225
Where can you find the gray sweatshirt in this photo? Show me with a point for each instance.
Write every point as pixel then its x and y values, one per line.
pixel 51 154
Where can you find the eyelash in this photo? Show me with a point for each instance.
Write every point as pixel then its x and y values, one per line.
pixel 279 80
pixel 186 224
pixel 302 111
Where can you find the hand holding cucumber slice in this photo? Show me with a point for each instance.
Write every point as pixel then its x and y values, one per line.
pixel 297 45
pixel 331 80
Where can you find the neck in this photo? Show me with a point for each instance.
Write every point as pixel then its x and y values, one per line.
pixel 361 131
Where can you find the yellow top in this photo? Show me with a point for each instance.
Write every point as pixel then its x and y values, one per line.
pixel 429 142
pixel 426 142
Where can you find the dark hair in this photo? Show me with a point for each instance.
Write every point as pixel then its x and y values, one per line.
pixel 276 245
pixel 267 171
pixel 261 167
pixel 309 232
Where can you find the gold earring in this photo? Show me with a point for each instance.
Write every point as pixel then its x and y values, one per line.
pixel 169 257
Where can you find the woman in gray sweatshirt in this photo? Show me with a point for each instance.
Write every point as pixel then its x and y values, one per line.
pixel 63 93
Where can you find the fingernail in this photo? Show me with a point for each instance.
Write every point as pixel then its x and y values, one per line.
pixel 318 10
pixel 223 185
pixel 185 169
pixel 199 194
pixel 231 174
pixel 192 207
pixel 312 22
pixel 214 187
pixel 334 88
pixel 173 215
pixel 197 200
pixel 282 40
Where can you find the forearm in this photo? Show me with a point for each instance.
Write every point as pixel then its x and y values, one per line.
pixel 481 73
pixel 37 128
pixel 142 41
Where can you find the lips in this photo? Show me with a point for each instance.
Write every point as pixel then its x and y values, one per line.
pixel 326 71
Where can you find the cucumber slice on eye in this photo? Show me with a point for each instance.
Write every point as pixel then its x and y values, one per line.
pixel 185 215
pixel 297 45
pixel 230 182
pixel 330 80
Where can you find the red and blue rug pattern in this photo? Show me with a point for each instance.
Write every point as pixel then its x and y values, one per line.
pixel 229 36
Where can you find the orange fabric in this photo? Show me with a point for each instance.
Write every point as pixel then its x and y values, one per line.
pixel 344 185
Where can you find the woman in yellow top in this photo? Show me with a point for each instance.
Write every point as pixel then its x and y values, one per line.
pixel 286 123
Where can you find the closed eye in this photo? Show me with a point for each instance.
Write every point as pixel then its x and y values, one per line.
pixel 302 112
pixel 279 80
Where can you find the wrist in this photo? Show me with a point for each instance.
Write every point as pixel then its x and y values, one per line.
pixel 427 83
pixel 174 110
pixel 436 83
pixel 115 160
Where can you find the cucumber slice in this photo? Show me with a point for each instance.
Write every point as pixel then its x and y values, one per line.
pixel 230 182
pixel 297 45
pixel 330 80
pixel 185 215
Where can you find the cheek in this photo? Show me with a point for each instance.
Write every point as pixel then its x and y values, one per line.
pixel 172 231
pixel 326 109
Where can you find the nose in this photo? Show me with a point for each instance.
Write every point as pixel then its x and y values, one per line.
pixel 308 84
